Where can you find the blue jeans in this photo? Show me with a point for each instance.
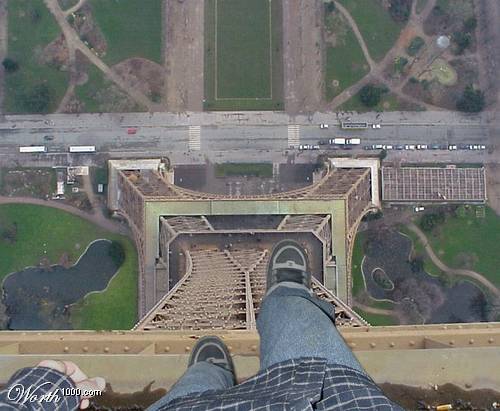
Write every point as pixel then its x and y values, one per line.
pixel 292 323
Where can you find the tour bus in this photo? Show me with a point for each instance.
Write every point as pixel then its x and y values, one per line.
pixel 353 125
pixel 33 149
pixel 82 149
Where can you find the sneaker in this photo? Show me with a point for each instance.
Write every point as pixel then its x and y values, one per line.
pixel 212 349
pixel 288 262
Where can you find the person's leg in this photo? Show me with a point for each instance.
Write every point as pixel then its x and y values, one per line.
pixel 292 324
pixel 210 368
pixel 198 378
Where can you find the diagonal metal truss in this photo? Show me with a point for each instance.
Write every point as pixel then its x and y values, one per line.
pixel 222 290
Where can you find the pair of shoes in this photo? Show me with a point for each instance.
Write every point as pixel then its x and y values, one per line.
pixel 212 349
pixel 288 262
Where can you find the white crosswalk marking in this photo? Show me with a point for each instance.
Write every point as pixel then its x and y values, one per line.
pixel 293 136
pixel 194 138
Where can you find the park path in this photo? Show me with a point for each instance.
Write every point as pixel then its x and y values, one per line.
pixel 374 310
pixel 454 271
pixel 74 43
pixel 97 219
pixel 377 69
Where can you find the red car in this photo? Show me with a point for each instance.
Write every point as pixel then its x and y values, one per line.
pixel 131 130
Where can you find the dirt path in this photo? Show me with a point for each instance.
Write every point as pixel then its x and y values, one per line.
pixel 73 41
pixel 183 43
pixel 3 49
pixel 443 267
pixel 97 219
pixel 302 55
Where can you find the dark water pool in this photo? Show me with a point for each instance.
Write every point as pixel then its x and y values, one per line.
pixel 39 298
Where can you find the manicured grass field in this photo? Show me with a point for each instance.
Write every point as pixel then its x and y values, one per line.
pixel 378 29
pixel 132 28
pixel 469 235
pixel 377 319
pixel 264 170
pixel 47 232
pixel 243 55
pixel 345 63
pixel 88 93
pixel 31 29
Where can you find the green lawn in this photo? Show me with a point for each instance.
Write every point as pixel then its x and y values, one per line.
pixel 378 29
pixel 42 229
pixel 377 319
pixel 263 170
pixel 243 55
pixel 345 62
pixel 132 28
pixel 465 234
pixel 31 29
pixel 358 283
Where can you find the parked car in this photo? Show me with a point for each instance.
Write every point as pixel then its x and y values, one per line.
pixel 48 138
pixel 376 126
pixel 421 146
pixel 452 147
pixel 399 147
pixel 434 147
pixel 323 126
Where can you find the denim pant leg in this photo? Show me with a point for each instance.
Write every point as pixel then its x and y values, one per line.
pixel 198 378
pixel 293 323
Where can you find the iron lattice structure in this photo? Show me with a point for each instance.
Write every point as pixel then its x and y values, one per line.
pixel 188 283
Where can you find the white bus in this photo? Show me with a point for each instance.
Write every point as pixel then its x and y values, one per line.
pixel 82 149
pixel 33 149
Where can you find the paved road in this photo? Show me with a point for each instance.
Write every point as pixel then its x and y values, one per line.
pixel 244 135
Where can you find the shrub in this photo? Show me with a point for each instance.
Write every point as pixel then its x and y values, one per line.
pixel 415 45
pixel 10 65
pixel 37 100
pixel 400 10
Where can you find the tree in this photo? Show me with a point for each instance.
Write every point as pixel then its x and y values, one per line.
pixel 463 40
pixel 330 7
pixel 431 220
pixel 470 24
pixel 472 100
pixel 10 65
pixel 370 95
pixel 400 10
pixel 117 253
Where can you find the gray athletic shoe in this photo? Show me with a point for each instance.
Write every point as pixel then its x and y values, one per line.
pixel 288 262
pixel 212 349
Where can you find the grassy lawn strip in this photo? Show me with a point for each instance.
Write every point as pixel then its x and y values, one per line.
pixel 358 283
pixel 50 233
pixel 31 29
pixel 345 64
pixel 464 233
pixel 89 92
pixel 243 55
pixel 244 169
pixel 132 28
pixel 377 319
pixel 378 29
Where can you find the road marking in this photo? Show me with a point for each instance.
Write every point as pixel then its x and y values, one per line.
pixel 293 136
pixel 194 138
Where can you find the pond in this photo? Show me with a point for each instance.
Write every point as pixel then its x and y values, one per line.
pixel 39 298
pixel 387 251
